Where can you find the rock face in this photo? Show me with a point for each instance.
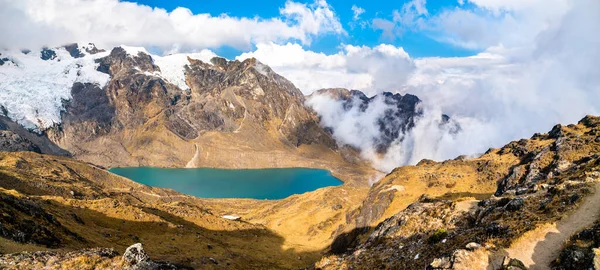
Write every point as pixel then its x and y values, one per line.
pixel 14 138
pixel 135 254
pixel 11 142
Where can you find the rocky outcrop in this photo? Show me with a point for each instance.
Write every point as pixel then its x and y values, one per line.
pixel 134 258
pixel 581 251
pixel 3 60
pixel 48 54
pixel 15 138
pixel 73 50
pixel 558 174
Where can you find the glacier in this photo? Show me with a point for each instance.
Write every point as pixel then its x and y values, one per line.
pixel 32 90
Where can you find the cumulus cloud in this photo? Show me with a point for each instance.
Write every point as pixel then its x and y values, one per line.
pixel 384 67
pixel 490 23
pixel 36 23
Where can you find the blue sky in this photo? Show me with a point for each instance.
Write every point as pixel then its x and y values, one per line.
pixel 415 43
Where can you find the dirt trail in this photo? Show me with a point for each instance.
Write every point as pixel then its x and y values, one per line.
pixel 192 162
pixel 243 104
pixel 538 248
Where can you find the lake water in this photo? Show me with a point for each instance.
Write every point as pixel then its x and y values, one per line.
pixel 218 183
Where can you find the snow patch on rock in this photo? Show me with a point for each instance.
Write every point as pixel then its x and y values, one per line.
pixel 172 67
pixel 134 51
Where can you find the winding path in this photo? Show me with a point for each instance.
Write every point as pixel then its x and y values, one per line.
pixel 243 104
pixel 538 248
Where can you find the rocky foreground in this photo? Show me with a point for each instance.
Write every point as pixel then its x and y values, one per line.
pixel 543 213
pixel 134 258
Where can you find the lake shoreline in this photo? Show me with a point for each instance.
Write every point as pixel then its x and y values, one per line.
pixel 217 183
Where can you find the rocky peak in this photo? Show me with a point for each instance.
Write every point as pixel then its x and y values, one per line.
pixel 398 118
pixel 120 61
pixel 252 91
pixel 73 50
pixel 48 54
pixel 92 49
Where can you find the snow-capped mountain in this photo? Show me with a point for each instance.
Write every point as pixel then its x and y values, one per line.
pixel 35 83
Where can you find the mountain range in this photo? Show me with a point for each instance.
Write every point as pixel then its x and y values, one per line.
pixel 69 113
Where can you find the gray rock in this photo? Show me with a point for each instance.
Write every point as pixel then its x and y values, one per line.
pixel 137 259
pixel 514 264
pixel 472 246
pixel 515 204
pixel 441 263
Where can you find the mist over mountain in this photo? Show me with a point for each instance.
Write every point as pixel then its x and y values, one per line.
pixel 382 127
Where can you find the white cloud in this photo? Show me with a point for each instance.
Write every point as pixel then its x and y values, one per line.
pixel 384 67
pixel 357 12
pixel 36 23
pixel 507 92
pixel 409 18
pixel 495 23
pixel 499 5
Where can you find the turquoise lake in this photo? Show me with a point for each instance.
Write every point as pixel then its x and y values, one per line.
pixel 261 184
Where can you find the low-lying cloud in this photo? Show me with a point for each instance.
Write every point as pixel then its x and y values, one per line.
pixel 502 94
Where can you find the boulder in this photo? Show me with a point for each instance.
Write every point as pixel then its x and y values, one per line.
pixel 472 246
pixel 441 263
pixel 514 264
pixel 135 254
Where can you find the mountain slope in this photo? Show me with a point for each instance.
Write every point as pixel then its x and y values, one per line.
pixel 129 108
pixel 60 204
pixel 549 179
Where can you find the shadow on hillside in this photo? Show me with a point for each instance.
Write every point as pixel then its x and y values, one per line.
pixel 348 240
pixel 170 237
